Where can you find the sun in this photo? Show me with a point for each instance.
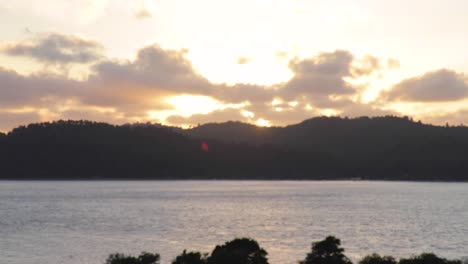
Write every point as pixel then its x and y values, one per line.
pixel 263 122
pixel 187 105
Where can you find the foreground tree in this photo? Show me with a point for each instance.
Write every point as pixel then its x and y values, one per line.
pixel 239 251
pixel 327 251
pixel 144 258
pixel 190 258
pixel 248 251
pixel 377 259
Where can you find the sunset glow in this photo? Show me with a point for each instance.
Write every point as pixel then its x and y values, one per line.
pixel 234 131
pixel 179 62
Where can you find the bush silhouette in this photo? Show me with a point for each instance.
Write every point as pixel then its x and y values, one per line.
pixel 428 258
pixel 239 251
pixel 144 258
pixel 190 258
pixel 327 251
pixel 377 259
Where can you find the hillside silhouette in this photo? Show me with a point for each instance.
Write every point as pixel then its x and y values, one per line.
pixel 387 148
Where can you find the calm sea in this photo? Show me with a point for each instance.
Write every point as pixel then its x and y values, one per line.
pixel 73 222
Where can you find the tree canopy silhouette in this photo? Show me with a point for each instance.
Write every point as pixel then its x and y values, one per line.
pixel 377 259
pixel 327 251
pixel 190 258
pixel 143 258
pixel 239 251
pixel 248 251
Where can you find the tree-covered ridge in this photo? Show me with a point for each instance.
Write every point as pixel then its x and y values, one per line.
pixel 248 251
pixel 389 148
pixel 362 136
pixel 386 147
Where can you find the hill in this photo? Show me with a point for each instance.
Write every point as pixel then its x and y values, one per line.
pixel 89 150
pixel 374 148
pixel 389 148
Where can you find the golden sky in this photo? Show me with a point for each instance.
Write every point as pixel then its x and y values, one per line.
pixel 265 62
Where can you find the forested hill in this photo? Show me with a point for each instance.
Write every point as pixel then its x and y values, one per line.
pixel 347 138
pixel 388 148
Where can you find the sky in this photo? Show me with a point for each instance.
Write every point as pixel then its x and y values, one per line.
pixel 265 62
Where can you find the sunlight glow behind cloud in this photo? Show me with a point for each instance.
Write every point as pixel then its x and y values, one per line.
pixel 187 105
pixel 263 123
pixel 195 61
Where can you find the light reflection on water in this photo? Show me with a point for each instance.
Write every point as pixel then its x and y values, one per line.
pixel 83 221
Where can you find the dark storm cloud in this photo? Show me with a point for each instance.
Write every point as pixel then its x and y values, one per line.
pixel 56 48
pixel 438 86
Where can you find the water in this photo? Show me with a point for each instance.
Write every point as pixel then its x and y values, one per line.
pixel 84 221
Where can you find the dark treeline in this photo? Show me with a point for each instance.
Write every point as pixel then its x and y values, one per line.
pixel 388 148
pixel 248 251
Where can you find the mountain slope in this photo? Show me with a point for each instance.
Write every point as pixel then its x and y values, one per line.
pixel 321 148
pixel 84 150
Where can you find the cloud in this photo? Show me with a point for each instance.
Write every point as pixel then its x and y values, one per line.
pixel 144 82
pixel 239 93
pixel 359 109
pixel 281 114
pixel 120 91
pixel 9 120
pixel 319 87
pixel 243 60
pixel 217 116
pixel 90 10
pixel 56 49
pixel 321 75
pixel 143 13
pixel 454 118
pixel 323 79
pixel 369 65
pixel 17 90
pixel 156 68
pixel 437 86
pixel 143 9
pixel 132 88
pixel 99 115
pixel 393 63
pixel 281 55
